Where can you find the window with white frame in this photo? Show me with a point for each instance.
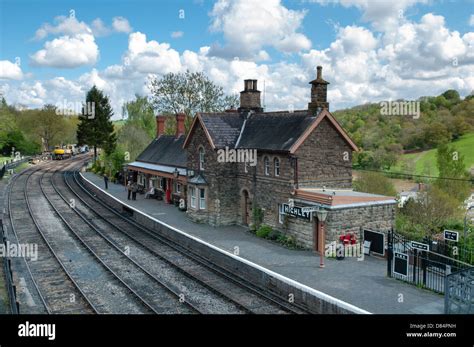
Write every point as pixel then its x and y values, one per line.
pixel 266 166
pixel 246 166
pixel 178 188
pixel 192 191
pixel 201 159
pixel 281 214
pixel 276 164
pixel 202 199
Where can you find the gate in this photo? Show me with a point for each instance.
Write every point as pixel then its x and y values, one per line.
pixel 417 263
pixel 459 296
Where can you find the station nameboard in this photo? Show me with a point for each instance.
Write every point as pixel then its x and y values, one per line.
pixel 451 235
pixel 420 246
pixel 296 211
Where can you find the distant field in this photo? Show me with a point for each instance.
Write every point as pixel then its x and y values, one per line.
pixel 424 163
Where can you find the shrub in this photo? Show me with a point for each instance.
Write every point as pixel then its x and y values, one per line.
pixel 264 231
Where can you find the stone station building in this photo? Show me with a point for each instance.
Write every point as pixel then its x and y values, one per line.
pixel 283 164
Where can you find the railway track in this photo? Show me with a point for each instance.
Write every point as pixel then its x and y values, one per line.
pixel 108 263
pixel 189 268
pixel 56 289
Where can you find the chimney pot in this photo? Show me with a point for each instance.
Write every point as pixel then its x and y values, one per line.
pixel 320 72
pixel 250 97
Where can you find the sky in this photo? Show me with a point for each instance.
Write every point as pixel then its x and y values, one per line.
pixel 53 52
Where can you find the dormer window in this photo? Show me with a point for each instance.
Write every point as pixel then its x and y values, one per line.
pixel 276 165
pixel 201 159
pixel 266 166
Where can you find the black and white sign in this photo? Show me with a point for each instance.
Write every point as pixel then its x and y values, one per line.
pixel 400 264
pixel 451 235
pixel 296 211
pixel 420 246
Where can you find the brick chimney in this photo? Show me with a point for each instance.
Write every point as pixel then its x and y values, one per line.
pixel 250 97
pixel 180 129
pixel 319 88
pixel 160 125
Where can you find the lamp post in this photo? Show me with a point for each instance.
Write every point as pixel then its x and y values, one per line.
pixel 321 214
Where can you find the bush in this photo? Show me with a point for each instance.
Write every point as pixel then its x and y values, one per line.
pixel 273 235
pixel 264 231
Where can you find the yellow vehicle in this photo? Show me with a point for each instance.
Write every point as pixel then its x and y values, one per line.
pixel 59 153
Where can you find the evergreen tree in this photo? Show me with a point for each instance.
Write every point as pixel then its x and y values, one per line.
pixel 95 127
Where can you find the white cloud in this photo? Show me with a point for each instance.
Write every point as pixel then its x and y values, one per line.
pixel 64 26
pixel 10 71
pixel 177 34
pixel 383 14
pixel 121 25
pixel 67 52
pixel 249 25
pixel 150 56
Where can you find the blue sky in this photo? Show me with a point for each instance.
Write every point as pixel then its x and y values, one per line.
pixel 370 50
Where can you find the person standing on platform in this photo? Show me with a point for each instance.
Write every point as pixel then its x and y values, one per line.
pixel 134 191
pixel 129 189
pixel 106 181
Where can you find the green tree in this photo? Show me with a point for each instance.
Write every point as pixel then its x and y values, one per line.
pixel 374 183
pixel 452 172
pixel 139 113
pixel 133 140
pixel 189 92
pixel 96 128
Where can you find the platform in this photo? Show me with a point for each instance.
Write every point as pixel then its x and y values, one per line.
pixel 360 283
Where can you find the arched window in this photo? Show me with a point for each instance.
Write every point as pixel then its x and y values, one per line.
pixel 276 164
pixel 201 159
pixel 266 165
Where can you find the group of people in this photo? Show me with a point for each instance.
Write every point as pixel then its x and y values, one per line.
pixel 132 188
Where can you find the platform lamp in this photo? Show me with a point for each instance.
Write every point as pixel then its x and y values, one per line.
pixel 321 214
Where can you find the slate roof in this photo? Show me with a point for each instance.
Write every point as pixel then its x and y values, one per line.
pixel 165 150
pixel 224 128
pixel 274 131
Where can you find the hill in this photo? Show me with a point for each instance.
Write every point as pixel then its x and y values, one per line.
pixel 384 137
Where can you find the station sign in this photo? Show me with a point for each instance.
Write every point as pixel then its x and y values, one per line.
pixel 451 235
pixel 420 246
pixel 296 211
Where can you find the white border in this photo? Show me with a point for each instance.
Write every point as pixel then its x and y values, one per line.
pixel 398 273
pixel 298 285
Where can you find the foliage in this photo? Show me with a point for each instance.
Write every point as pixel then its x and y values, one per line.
pixel 375 183
pixel 97 130
pixel 429 212
pixel 451 165
pixel 189 92
pixel 382 138
pixel 139 113
pixel 257 214
pixel 264 231
pixel 133 139
pixel 32 130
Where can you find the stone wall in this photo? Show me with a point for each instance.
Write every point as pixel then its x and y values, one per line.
pixel 325 159
pixel 341 221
